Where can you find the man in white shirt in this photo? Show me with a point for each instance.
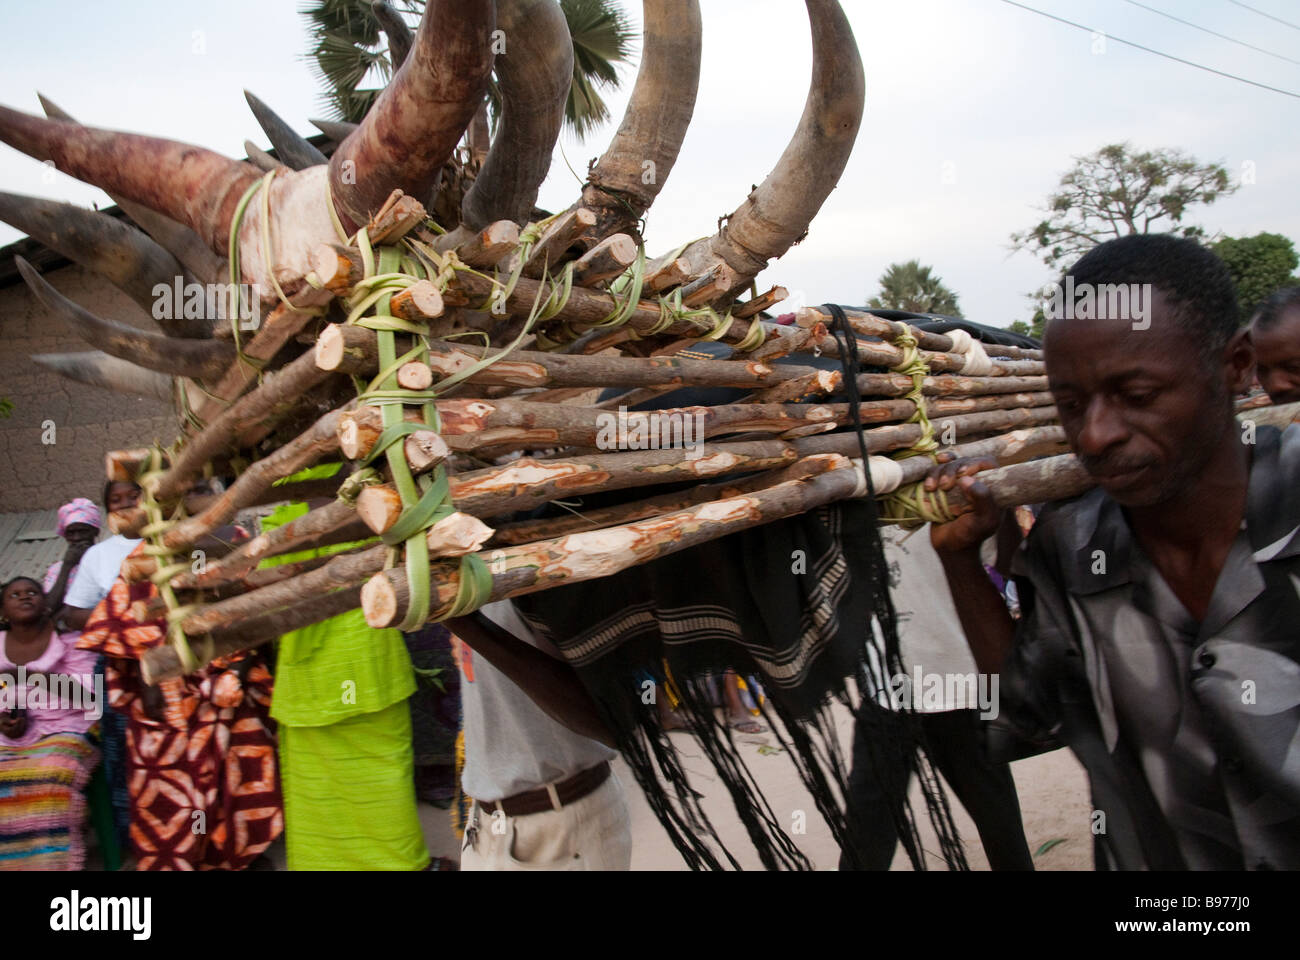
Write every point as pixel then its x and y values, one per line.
pixel 545 796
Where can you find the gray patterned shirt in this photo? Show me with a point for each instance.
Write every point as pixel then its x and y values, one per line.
pixel 1190 731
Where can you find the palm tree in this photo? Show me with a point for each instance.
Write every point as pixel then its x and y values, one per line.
pixel 602 39
pixel 916 289
pixel 350 45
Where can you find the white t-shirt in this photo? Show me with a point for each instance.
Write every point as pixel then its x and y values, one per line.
pixel 511 745
pixel 930 636
pixel 100 566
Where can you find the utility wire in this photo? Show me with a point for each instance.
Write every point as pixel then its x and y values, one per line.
pixel 1263 14
pixel 1213 33
pixel 1158 53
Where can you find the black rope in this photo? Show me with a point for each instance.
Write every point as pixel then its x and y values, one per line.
pixel 937 807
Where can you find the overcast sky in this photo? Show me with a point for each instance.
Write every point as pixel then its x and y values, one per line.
pixel 974 110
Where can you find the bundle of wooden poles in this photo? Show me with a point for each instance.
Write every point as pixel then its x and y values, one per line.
pixel 428 378
pixel 449 440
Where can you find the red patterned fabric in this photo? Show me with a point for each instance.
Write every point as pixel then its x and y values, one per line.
pixel 203 781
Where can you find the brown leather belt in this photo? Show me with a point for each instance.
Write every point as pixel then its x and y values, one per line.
pixel 567 791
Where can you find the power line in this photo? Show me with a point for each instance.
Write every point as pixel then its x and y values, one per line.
pixel 1263 14
pixel 1213 33
pixel 1158 53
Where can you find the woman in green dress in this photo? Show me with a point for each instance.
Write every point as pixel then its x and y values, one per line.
pixel 346 759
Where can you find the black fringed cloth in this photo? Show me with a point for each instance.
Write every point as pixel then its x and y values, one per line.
pixel 792 603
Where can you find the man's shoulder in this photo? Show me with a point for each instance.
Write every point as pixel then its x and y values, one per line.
pixel 1066 526
pixel 1273 501
pixel 1288 450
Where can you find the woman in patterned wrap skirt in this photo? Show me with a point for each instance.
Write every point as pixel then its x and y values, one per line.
pixel 45 758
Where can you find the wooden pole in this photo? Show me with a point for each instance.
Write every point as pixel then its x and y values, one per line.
pixel 529 368
pixel 870 325
pixel 576 557
pixel 420 301
pixel 526 483
pixel 482 250
pixel 267 404
pixel 606 260
pixel 257 481
pixel 756 305
pixel 526 531
pixel 336 520
pixel 584 310
pixel 163 663
pixel 549 251
pixel 398 216
pixel 280 325
pixel 129 523
pixel 453 536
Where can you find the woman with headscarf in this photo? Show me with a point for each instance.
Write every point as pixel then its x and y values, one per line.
pixel 100 564
pixel 45 757
pixel 80 522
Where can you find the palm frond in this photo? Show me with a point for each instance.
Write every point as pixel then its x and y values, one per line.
pixel 347 50
pixel 603 39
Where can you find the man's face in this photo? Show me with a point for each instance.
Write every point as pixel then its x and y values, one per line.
pixel 1277 357
pixel 1140 408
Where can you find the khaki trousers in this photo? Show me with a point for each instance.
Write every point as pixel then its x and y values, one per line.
pixel 592 833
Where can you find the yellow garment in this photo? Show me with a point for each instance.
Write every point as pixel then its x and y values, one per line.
pixel 349 794
pixel 346 760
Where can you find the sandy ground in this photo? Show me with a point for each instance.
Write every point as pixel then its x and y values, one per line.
pixel 1053 803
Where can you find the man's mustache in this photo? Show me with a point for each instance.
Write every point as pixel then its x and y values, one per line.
pixel 1109 466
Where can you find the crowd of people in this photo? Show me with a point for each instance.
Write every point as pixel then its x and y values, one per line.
pixel 1150 626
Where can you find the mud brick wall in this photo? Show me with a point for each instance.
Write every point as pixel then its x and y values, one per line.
pixel 87 420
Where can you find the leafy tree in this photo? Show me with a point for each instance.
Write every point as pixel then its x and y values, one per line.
pixel 1118 191
pixel 350 46
pixel 1259 265
pixel 1032 329
pixel 914 288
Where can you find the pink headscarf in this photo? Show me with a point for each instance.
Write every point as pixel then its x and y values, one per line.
pixel 79 510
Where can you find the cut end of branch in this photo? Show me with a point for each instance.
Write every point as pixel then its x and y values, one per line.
pixel 379 602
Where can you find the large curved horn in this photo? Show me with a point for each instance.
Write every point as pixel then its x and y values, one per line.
pixel 200 359
pixel 395 29
pixel 183 243
pixel 294 151
pixel 417 121
pixel 113 249
pixel 98 369
pixel 534 78
pixel 778 211
pixel 187 183
pixel 627 178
